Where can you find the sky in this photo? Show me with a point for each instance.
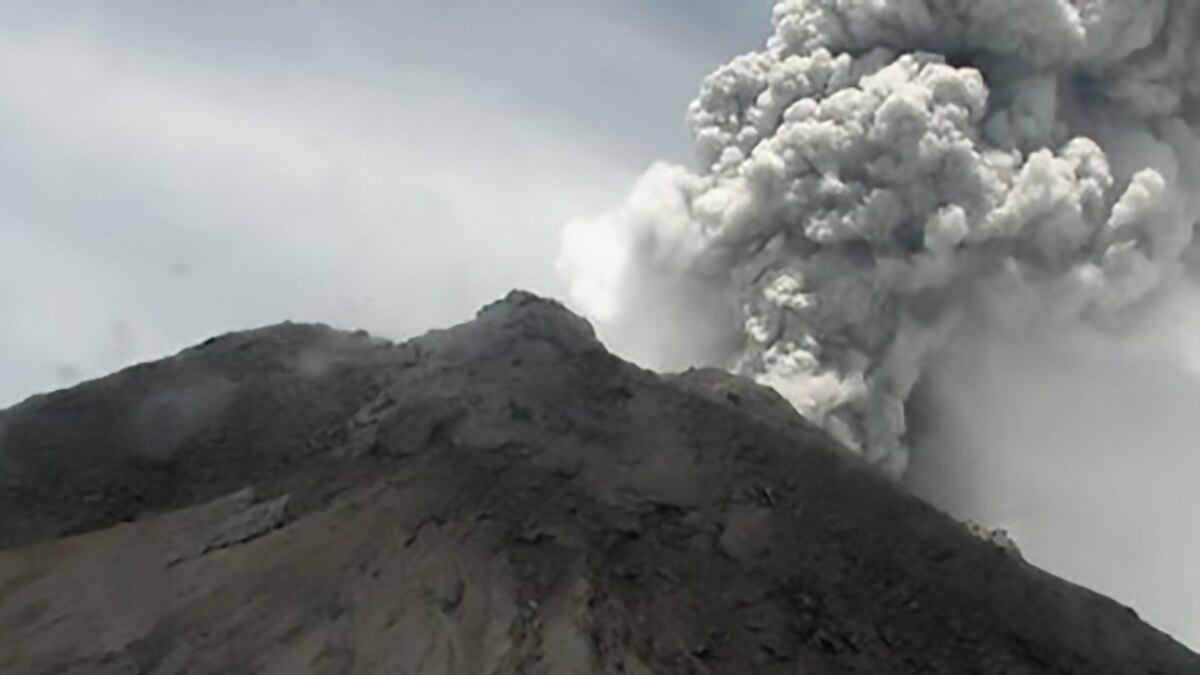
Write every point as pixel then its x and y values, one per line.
pixel 172 171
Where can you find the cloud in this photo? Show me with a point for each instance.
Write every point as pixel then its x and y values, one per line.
pixel 168 175
pixel 879 171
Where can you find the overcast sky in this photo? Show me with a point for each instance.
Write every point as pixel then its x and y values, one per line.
pixel 170 171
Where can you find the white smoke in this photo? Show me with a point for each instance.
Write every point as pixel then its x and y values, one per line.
pixel 882 172
pixel 889 189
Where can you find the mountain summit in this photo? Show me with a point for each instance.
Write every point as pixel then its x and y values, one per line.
pixel 504 496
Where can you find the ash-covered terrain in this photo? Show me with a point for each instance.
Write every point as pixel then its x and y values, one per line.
pixel 501 497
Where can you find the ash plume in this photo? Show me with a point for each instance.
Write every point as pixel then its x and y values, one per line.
pixel 882 175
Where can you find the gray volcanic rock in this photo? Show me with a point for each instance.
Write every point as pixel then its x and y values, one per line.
pixel 501 497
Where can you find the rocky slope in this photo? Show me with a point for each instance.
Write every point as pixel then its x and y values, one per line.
pixel 501 497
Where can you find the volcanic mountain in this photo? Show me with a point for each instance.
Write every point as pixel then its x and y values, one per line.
pixel 504 496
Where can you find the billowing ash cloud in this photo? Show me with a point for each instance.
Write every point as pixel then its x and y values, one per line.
pixel 883 172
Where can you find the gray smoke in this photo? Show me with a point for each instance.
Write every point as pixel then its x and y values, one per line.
pixel 1082 445
pixel 883 176
pixel 166 420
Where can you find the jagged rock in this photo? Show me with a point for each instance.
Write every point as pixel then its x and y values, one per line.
pixel 501 497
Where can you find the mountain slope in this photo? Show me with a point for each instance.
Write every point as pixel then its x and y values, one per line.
pixel 500 497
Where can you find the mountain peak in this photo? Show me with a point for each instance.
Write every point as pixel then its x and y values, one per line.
pixel 503 496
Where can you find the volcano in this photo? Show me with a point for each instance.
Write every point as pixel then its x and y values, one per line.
pixel 504 496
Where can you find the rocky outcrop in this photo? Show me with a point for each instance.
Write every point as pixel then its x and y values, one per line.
pixel 501 497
